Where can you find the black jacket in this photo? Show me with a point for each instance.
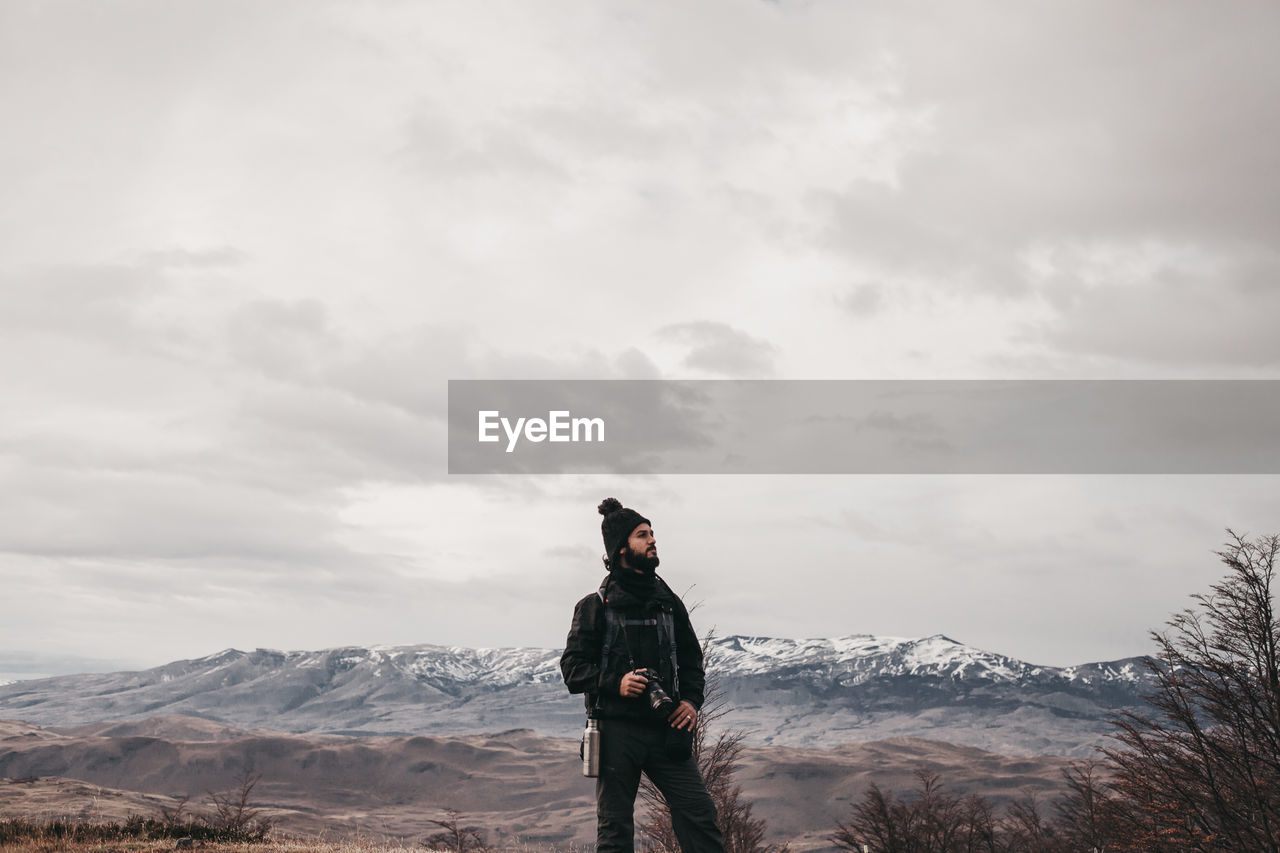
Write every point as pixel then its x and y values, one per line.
pixel 581 662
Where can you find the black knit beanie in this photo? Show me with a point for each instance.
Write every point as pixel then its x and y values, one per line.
pixel 618 523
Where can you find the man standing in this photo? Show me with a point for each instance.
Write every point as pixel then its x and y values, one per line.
pixel 630 643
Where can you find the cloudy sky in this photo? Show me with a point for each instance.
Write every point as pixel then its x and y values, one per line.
pixel 243 246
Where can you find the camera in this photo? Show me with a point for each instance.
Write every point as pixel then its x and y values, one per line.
pixel 659 702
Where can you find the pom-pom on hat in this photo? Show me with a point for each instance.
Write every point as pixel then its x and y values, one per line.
pixel 618 523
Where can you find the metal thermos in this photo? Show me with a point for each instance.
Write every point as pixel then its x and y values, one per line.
pixel 591 749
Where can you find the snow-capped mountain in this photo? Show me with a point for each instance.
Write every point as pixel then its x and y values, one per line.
pixel 856 659
pixel 797 692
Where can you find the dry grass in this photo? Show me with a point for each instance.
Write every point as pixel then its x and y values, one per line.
pixel 167 845
pixel 271 845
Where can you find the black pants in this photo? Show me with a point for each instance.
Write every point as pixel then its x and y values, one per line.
pixel 626 748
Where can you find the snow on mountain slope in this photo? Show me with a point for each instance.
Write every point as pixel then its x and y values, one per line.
pixel 848 660
pixel 812 692
pixel 857 658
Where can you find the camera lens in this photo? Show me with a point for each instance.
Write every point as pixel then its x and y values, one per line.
pixel 659 701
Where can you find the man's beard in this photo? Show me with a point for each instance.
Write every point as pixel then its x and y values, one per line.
pixel 642 562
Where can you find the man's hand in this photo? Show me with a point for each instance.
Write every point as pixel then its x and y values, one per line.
pixel 632 685
pixel 684 716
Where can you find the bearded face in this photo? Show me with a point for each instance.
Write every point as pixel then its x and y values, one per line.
pixel 641 551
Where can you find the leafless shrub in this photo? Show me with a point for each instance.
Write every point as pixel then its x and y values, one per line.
pixel 176 813
pixel 1203 771
pixel 1025 828
pixel 1199 772
pixel 454 836
pixel 1087 815
pixel 933 821
pixel 232 811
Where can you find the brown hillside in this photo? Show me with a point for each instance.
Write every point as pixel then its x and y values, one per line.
pixel 517 784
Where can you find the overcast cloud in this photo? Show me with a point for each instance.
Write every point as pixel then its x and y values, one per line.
pixel 243 247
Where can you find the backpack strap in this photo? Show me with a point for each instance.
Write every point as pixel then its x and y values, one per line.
pixel 667 623
pixel 610 625
pixel 611 630
pixel 615 625
pixel 669 629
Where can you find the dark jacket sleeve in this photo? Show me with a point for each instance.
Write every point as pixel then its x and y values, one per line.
pixel 580 663
pixel 693 678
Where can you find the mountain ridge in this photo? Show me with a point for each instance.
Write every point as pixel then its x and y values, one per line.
pixel 817 692
pixel 727 651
